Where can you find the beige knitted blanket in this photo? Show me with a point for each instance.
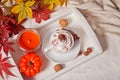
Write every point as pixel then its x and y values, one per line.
pixel 102 15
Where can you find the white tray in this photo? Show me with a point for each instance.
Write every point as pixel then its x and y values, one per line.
pixel 76 21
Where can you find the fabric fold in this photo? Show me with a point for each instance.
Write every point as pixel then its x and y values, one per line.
pixel 102 15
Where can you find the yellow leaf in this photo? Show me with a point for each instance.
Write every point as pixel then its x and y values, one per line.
pixel 46 1
pixel 64 2
pixel 29 3
pixel 29 12
pixel 16 9
pixel 51 6
pixel 51 3
pixel 19 1
pixel 57 2
pixel 23 10
pixel 22 15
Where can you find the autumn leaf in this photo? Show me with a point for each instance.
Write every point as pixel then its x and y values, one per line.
pixel 23 10
pixel 4 66
pixel 13 26
pixel 5 19
pixel 51 3
pixel 41 13
pixel 24 0
pixel 11 2
pixel 4 2
pixel 4 43
pixel 64 2
pixel 1 12
pixel 4 33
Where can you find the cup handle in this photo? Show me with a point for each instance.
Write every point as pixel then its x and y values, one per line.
pixel 47 49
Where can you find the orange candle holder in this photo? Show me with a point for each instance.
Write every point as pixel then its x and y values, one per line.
pixel 29 40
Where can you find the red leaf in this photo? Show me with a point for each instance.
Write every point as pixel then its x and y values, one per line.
pixel 4 32
pixel 45 16
pixel 4 66
pixel 8 65
pixel 0 48
pixel 13 27
pixel 11 23
pixel 8 72
pixel 7 46
pixel 5 50
pixel 38 18
pixel 42 12
pixel 10 43
pixel 5 59
pixel 1 74
pixel 0 56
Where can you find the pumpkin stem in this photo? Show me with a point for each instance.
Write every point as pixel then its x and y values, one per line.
pixel 29 64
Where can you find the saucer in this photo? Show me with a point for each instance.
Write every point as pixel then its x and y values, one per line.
pixel 59 57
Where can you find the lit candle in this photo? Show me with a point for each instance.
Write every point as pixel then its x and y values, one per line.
pixel 29 39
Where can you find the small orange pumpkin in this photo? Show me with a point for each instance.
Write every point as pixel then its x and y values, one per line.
pixel 30 64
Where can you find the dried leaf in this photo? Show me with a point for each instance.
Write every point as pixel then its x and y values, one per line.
pixel 14 27
pixel 0 57
pixel 23 10
pixel 4 2
pixel 1 74
pixel 1 12
pixel 41 13
pixel 6 47
pixel 4 40
pixel 7 71
pixel 4 33
pixel 4 66
pixel 5 59
pixel 29 3
pixel 8 64
pixel 64 2
pixel 7 9
pixel 0 47
pixel 10 25
pixel 51 3
pixel 11 2
pixel 16 9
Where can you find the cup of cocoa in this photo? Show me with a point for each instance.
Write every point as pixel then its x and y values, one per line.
pixel 61 40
